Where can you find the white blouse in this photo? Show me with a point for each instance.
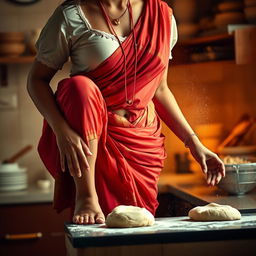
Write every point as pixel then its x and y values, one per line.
pixel 68 33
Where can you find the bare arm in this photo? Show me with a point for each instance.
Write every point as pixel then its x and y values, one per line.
pixel 42 95
pixel 170 113
pixel 70 144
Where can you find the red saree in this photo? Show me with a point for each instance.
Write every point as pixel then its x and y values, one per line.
pixel 130 152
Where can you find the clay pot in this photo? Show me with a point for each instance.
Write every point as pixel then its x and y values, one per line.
pixel 185 10
pixel 11 49
pixel 10 37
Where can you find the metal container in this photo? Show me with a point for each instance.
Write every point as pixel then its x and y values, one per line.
pixel 239 179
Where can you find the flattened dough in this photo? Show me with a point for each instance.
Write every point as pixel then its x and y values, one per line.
pixel 214 211
pixel 126 216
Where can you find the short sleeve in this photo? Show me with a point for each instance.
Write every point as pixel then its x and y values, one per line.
pixel 53 43
pixel 174 35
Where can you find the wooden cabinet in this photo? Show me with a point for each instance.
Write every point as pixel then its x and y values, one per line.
pixel 27 222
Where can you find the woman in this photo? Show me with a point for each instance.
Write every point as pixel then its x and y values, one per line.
pixel 101 137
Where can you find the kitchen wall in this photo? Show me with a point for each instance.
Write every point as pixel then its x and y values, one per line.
pixel 213 92
pixel 22 126
pixel 218 92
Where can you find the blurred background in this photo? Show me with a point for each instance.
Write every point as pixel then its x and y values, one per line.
pixel 212 75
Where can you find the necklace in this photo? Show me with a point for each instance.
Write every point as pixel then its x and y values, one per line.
pixel 116 21
pixel 128 101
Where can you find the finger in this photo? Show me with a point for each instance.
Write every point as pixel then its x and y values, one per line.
pixel 75 163
pixel 70 166
pixel 86 148
pixel 209 177
pixel 83 158
pixel 214 177
pixel 204 165
pixel 62 162
pixel 222 169
pixel 218 177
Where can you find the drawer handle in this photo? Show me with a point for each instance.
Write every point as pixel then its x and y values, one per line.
pixel 26 236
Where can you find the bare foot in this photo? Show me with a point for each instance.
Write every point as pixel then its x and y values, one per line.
pixel 88 211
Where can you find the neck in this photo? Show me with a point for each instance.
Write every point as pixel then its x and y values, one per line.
pixel 118 3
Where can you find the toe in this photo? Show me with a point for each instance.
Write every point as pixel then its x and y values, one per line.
pixel 81 219
pixel 76 219
pixel 100 219
pixel 91 219
pixel 86 219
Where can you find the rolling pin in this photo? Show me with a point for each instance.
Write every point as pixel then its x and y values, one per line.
pixel 19 154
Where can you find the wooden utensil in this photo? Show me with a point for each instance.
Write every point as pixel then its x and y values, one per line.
pixel 238 131
pixel 19 154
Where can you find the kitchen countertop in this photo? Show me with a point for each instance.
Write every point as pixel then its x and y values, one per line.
pixel 193 189
pixel 189 187
pixel 30 195
pixel 164 230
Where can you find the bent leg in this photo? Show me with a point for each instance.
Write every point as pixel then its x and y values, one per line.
pixel 84 109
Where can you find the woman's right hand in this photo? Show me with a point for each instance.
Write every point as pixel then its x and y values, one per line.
pixel 73 150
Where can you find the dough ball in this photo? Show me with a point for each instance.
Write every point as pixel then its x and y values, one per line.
pixel 124 216
pixel 214 211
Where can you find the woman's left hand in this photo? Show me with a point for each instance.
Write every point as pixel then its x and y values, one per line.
pixel 210 163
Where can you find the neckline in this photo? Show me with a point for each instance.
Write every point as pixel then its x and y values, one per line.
pixel 122 38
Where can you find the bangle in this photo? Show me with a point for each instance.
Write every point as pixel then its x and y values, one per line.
pixel 186 141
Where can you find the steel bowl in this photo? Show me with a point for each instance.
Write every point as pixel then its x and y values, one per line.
pixel 240 178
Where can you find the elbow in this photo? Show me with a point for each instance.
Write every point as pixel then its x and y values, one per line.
pixel 161 90
pixel 31 82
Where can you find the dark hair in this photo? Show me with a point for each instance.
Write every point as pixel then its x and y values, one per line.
pixel 70 1
pixel 66 1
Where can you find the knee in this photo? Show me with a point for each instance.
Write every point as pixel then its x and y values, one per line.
pixel 80 84
pixel 79 87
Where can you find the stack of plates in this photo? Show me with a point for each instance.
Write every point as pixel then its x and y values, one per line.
pixel 12 178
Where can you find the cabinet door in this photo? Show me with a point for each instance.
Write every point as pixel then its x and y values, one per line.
pixel 30 220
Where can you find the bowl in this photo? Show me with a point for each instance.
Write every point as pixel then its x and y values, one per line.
pixel 14 37
pixel 240 178
pixel 9 167
pixel 250 14
pixel 11 49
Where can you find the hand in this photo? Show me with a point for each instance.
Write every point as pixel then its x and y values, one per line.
pixel 210 163
pixel 72 149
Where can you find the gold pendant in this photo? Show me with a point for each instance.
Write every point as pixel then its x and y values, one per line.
pixel 116 22
pixel 129 102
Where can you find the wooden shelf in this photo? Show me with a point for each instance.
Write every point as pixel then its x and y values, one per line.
pixel 206 39
pixel 18 59
pixel 213 62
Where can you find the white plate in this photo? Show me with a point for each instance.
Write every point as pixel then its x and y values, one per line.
pixel 13 182
pixel 13 171
pixel 13 188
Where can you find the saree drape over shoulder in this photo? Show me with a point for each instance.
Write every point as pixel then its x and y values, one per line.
pixel 130 151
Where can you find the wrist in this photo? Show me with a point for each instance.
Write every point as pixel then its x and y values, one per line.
pixel 191 140
pixel 59 127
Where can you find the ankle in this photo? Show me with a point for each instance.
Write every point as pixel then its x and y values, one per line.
pixel 87 196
